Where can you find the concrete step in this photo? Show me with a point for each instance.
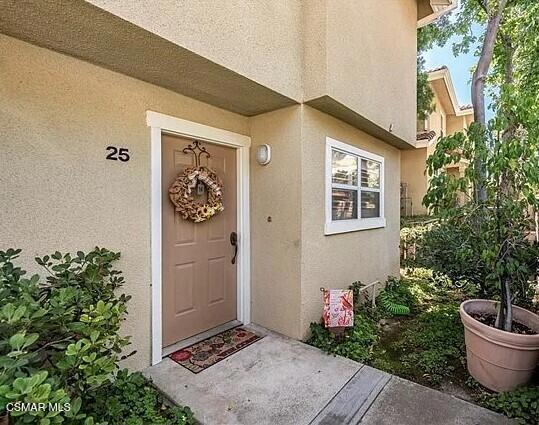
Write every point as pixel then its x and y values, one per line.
pixel 353 400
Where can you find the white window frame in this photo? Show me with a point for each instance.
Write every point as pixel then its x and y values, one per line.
pixel 342 226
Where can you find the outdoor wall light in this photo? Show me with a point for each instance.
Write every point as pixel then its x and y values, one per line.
pixel 263 154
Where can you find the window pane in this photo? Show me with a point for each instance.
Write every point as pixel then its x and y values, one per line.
pixel 343 204
pixel 370 174
pixel 343 168
pixel 370 204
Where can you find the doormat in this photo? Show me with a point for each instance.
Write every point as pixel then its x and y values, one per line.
pixel 206 353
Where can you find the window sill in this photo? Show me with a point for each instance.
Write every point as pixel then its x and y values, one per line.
pixel 345 226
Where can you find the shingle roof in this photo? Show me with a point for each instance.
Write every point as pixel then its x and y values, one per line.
pixel 426 135
pixel 437 69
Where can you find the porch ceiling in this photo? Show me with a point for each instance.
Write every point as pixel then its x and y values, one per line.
pixel 79 29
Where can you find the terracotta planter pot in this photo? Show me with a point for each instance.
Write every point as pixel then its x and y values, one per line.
pixel 499 360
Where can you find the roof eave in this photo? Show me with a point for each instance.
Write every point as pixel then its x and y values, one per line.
pixel 444 74
pixel 443 10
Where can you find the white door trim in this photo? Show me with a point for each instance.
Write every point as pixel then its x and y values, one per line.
pixel 159 124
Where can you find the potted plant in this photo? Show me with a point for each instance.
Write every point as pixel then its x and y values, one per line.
pixel 497 196
pixel 502 339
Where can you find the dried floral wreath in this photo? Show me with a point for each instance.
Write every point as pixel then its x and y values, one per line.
pixel 181 194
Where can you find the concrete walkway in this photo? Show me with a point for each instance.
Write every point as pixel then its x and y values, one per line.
pixel 278 380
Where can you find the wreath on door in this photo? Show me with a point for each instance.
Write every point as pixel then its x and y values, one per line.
pixel 181 192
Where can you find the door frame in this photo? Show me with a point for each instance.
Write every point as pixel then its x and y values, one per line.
pixel 165 124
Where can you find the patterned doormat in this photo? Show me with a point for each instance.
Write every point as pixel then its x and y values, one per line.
pixel 206 353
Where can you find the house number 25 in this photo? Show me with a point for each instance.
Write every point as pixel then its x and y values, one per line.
pixel 115 154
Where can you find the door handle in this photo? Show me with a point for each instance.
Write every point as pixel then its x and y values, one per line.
pixel 234 243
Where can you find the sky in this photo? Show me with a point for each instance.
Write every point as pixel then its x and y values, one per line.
pixel 460 67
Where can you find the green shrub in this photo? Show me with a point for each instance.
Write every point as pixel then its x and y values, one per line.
pixel 356 343
pixel 395 299
pixel 412 233
pixel 521 404
pixel 59 339
pixel 452 250
pixel 131 400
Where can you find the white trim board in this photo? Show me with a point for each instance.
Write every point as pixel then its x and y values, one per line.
pixel 159 124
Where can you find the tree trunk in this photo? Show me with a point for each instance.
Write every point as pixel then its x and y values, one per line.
pixel 505 314
pixel 504 319
pixel 478 95
pixel 508 322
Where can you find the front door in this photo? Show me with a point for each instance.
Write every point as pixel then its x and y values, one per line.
pixel 199 278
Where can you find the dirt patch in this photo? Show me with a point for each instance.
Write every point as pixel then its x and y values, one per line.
pixel 490 320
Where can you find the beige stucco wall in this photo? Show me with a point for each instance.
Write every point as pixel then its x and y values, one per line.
pixel 364 57
pixel 58 114
pixel 315 65
pixel 258 39
pixel 413 162
pixel 347 58
pixel 276 222
pixel 336 261
pixel 413 165
pixel 58 192
pixel 437 122
pixel 456 123
pixel 291 256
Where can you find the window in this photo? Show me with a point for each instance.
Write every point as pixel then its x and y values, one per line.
pixel 354 189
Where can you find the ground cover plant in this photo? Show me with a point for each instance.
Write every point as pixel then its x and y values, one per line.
pixel 521 404
pixel 60 343
pixel 428 345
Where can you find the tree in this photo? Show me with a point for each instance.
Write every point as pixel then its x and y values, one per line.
pixel 503 154
pixel 425 95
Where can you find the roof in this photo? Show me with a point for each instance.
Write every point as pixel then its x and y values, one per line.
pixel 426 135
pixel 430 10
pixel 439 68
pixel 441 82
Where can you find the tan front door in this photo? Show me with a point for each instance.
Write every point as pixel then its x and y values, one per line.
pixel 199 279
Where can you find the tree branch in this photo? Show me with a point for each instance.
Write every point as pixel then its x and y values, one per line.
pixel 483 4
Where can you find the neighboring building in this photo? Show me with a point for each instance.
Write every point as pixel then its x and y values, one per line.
pixel 447 118
pixel 329 86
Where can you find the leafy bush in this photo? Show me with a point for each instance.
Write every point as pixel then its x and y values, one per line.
pixel 356 342
pixel 521 404
pixel 451 250
pixel 131 400
pixel 412 233
pixel 395 299
pixel 59 339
